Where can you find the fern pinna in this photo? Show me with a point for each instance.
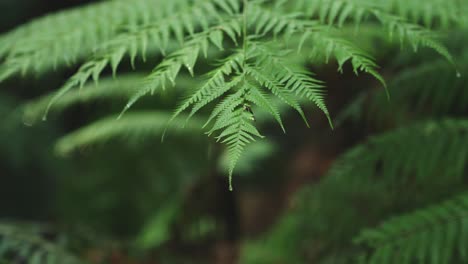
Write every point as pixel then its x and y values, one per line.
pixel 269 45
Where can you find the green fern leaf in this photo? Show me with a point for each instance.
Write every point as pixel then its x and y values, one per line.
pixel 421 151
pixel 427 235
pixel 132 125
pixel 237 132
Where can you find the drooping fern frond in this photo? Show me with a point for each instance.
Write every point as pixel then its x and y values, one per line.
pixel 24 244
pixel 297 81
pixel 167 70
pixel 122 87
pixel 413 34
pixel 423 89
pixel 184 19
pixel 130 28
pixel 437 234
pixel 334 12
pixel 426 88
pixel 249 74
pixel 323 40
pixel 216 85
pixel 236 131
pixel 62 38
pixel 363 10
pixel 132 125
pixel 411 153
pixel 233 116
pixel 434 13
pixel 326 45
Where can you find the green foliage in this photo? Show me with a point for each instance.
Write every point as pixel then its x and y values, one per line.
pixel 238 61
pixel 122 87
pixel 428 159
pixel 241 78
pixel 411 153
pixel 432 13
pixel 24 243
pixel 437 234
pixel 416 92
pixel 418 161
pixel 157 230
pixel 435 13
pixel 134 125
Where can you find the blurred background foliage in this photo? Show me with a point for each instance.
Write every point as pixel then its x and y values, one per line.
pixel 121 195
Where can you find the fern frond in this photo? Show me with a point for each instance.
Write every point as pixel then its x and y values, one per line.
pixel 263 101
pixel 233 113
pixel 334 12
pixel 416 152
pixel 429 88
pixel 416 35
pixel 122 87
pixel 229 102
pixel 358 184
pixel 431 84
pixel 264 21
pixel 426 88
pixel 276 88
pixel 300 82
pixel 326 45
pixel 168 69
pixel 437 234
pixel 434 13
pixel 27 243
pixel 182 21
pixel 252 158
pixel 250 75
pixel 64 37
pixel 361 9
pixel 324 40
pixel 216 85
pixel 236 131
pixel 129 29
pixel 133 125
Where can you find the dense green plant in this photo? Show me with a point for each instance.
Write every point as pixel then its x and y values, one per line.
pixel 400 195
pixel 255 59
pixel 258 65
pixel 24 242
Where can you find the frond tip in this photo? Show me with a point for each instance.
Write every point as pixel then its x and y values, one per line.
pixel 120 88
pixel 236 131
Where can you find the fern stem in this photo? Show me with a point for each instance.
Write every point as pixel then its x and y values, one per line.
pixel 244 29
pixel 244 63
